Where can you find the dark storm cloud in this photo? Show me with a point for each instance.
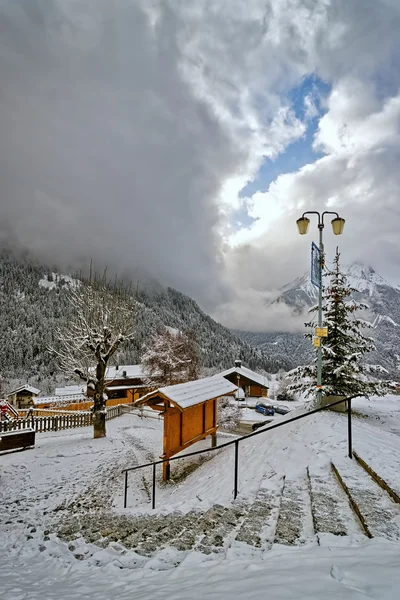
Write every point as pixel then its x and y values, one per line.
pixel 105 152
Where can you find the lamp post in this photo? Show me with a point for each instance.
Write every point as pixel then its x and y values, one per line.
pixel 337 227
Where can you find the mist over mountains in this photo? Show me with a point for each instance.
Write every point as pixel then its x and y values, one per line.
pixel 300 295
pixel 34 301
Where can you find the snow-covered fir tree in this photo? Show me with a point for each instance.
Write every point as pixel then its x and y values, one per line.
pixel 171 357
pixel 344 371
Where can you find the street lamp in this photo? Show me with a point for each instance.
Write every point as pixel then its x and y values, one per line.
pixel 337 227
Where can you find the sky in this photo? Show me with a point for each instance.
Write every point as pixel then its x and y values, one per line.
pixel 182 140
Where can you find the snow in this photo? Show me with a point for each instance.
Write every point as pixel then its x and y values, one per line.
pixel 28 388
pixel 69 389
pixel 62 399
pixel 245 372
pixel 382 412
pixel 195 392
pixel 124 371
pixel 57 278
pixel 69 469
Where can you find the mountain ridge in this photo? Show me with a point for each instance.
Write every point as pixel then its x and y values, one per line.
pixel 33 302
pixel 382 298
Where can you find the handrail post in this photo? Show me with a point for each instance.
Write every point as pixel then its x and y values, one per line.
pixel 350 436
pixel 235 490
pixel 126 489
pixel 154 487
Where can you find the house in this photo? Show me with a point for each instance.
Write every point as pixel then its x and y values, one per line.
pixel 23 396
pixel 125 382
pixel 253 384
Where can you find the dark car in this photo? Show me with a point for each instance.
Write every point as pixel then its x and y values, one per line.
pixel 265 409
pixel 284 398
pixel 259 424
pixel 281 409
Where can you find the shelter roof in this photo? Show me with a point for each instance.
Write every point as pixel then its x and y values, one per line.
pixel 125 372
pixel 185 395
pixel 248 373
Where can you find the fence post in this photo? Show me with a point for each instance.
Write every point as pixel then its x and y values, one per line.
pixel 126 489
pixel 154 487
pixel 349 428
pixel 235 490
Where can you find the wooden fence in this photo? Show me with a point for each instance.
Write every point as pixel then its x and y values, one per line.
pixel 56 422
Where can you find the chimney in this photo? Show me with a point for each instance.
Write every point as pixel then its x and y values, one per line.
pixel 123 373
pixel 238 364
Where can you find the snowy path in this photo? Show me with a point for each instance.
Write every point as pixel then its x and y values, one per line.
pixel 290 508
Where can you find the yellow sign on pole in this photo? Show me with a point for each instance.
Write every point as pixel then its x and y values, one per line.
pixel 321 331
pixel 317 342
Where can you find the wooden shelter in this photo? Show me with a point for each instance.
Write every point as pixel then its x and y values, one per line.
pixel 253 384
pixel 189 411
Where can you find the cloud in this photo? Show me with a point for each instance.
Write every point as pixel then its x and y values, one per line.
pixel 129 128
pixel 254 310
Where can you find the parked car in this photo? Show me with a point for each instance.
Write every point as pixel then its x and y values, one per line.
pixel 260 424
pixel 284 398
pixel 281 409
pixel 264 409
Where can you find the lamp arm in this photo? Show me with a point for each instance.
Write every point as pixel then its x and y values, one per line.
pixel 328 212
pixel 313 212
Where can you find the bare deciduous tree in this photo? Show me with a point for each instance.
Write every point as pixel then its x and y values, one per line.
pixel 170 358
pixel 102 321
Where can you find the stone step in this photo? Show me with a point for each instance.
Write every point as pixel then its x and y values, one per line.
pixel 385 475
pixel 294 525
pixel 331 510
pixel 258 525
pixel 218 526
pixel 379 515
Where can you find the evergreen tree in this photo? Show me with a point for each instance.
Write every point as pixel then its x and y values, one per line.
pixel 344 372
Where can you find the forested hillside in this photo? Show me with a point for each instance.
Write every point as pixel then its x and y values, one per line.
pixel 33 301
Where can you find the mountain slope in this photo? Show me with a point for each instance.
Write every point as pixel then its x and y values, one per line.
pixel 33 301
pixel 383 313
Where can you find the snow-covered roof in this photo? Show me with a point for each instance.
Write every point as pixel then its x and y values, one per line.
pixel 68 390
pixel 184 395
pixel 248 373
pixel 131 372
pixel 73 398
pixel 28 388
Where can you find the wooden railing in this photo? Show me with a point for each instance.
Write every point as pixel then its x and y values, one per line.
pixel 56 422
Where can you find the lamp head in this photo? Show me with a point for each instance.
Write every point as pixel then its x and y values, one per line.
pixel 302 225
pixel 338 225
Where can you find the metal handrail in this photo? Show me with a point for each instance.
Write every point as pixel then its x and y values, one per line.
pixel 236 443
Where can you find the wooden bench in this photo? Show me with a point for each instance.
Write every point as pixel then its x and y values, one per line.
pixel 17 440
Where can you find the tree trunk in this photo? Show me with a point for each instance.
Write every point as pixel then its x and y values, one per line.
pixel 99 405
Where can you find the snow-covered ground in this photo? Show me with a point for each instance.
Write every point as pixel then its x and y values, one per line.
pixel 381 412
pixel 56 544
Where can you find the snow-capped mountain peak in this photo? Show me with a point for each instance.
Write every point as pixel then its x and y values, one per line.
pixel 364 278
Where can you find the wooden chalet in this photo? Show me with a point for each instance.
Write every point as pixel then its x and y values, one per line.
pixel 23 396
pixel 253 384
pixel 189 411
pixel 125 383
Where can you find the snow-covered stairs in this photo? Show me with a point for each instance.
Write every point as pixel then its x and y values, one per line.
pixel 378 513
pixel 294 525
pixel 331 511
pixel 313 507
pixel 258 526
